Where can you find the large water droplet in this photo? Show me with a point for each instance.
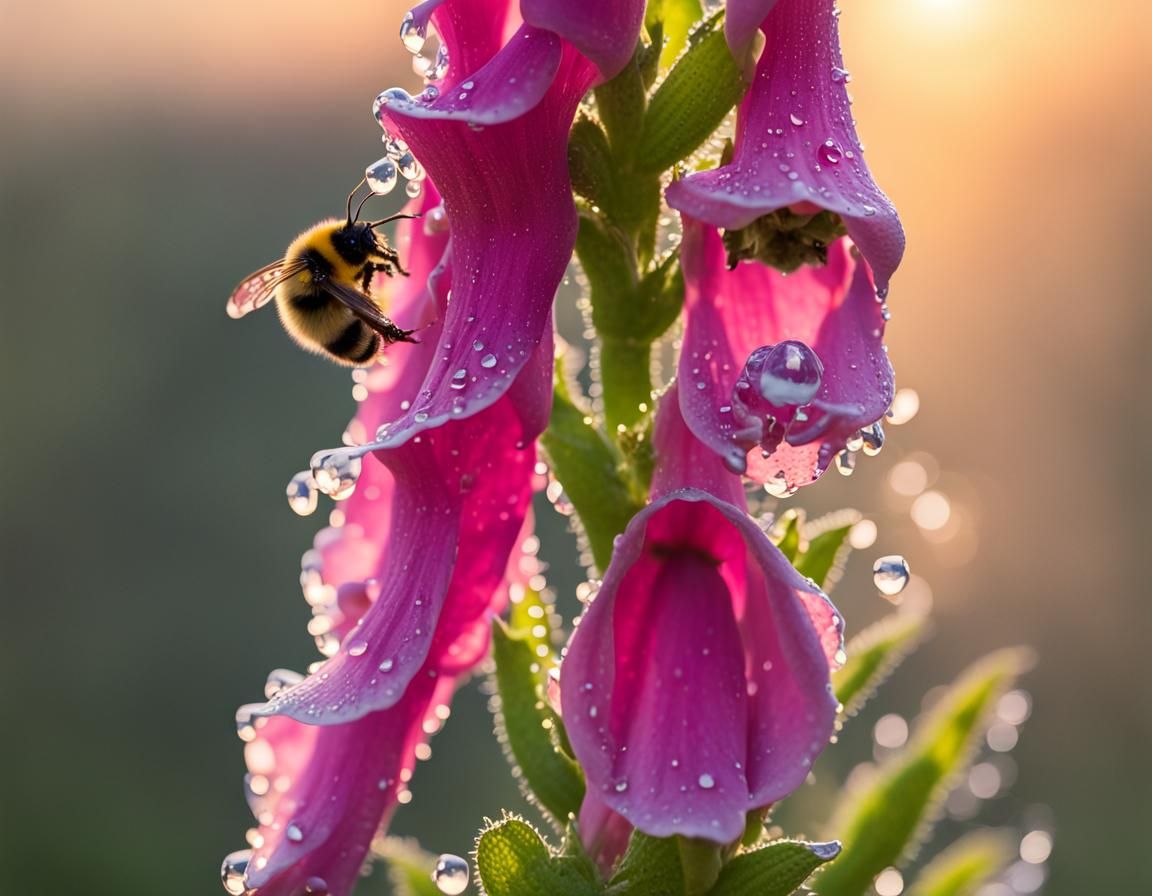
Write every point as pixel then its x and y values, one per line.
pixel 409 167
pixel 450 874
pixel 301 492
pixel 381 176
pixel 316 886
pixel 488 361
pixel 336 472
pixel 796 120
pixel 412 35
pixel 890 574
pixel 791 374
pixel 233 871
pixel 829 152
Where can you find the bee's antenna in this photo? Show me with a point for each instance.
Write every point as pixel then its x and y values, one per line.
pixel 393 218
pixel 350 195
pixel 361 205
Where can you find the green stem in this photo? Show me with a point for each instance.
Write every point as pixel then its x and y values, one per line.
pixel 626 378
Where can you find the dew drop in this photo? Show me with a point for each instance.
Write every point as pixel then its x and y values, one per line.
pixel 387 665
pixel 381 176
pixel 796 120
pixel 336 472
pixel 316 886
pixel 234 870
pixel 706 781
pixel 488 361
pixel 294 832
pixel 409 167
pixel 358 648
pixel 411 35
pixel 890 574
pixel 829 153
pixel 450 874
pixel 413 188
pixel 302 497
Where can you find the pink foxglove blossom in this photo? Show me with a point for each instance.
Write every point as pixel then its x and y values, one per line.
pixel 696 686
pixel 403 594
pixel 779 373
pixel 493 135
pixel 796 151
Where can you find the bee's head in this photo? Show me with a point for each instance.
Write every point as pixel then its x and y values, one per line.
pixel 356 241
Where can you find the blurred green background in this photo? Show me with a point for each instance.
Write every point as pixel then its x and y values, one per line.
pixel 154 155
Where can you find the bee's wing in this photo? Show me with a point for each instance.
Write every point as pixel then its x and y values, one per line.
pixel 257 288
pixel 368 311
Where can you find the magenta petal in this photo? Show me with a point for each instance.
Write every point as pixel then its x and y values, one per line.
pixel 605 31
pixel 796 143
pixel 701 624
pixel 742 20
pixel 513 229
pixel 319 794
pixel 510 84
pixel 733 313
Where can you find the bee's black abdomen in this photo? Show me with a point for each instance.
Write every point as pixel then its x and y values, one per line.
pixel 350 343
pixel 311 301
pixel 369 352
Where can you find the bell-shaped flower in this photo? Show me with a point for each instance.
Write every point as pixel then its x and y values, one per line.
pixel 797 177
pixel 320 793
pixel 779 373
pixel 403 594
pixel 493 134
pixel 430 525
pixel 696 687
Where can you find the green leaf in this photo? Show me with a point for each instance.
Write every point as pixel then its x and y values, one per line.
pixel 529 730
pixel 676 18
pixel 512 860
pixel 962 868
pixel 587 466
pixel 409 867
pixel 773 870
pixel 650 867
pixel 786 533
pixel 827 547
pixel 590 162
pixel 532 617
pixel 882 822
pixel 873 655
pixel 700 90
pixel 609 263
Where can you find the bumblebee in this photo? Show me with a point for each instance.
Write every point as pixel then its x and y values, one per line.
pixel 322 288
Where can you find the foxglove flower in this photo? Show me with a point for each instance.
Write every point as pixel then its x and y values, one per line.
pixel 701 625
pixel 403 593
pixel 779 373
pixel 797 173
pixel 493 135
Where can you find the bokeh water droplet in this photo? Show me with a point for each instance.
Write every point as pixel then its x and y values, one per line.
pixel 890 574
pixel 450 874
pixel 301 491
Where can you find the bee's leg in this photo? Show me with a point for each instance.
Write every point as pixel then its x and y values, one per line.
pixel 366 277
